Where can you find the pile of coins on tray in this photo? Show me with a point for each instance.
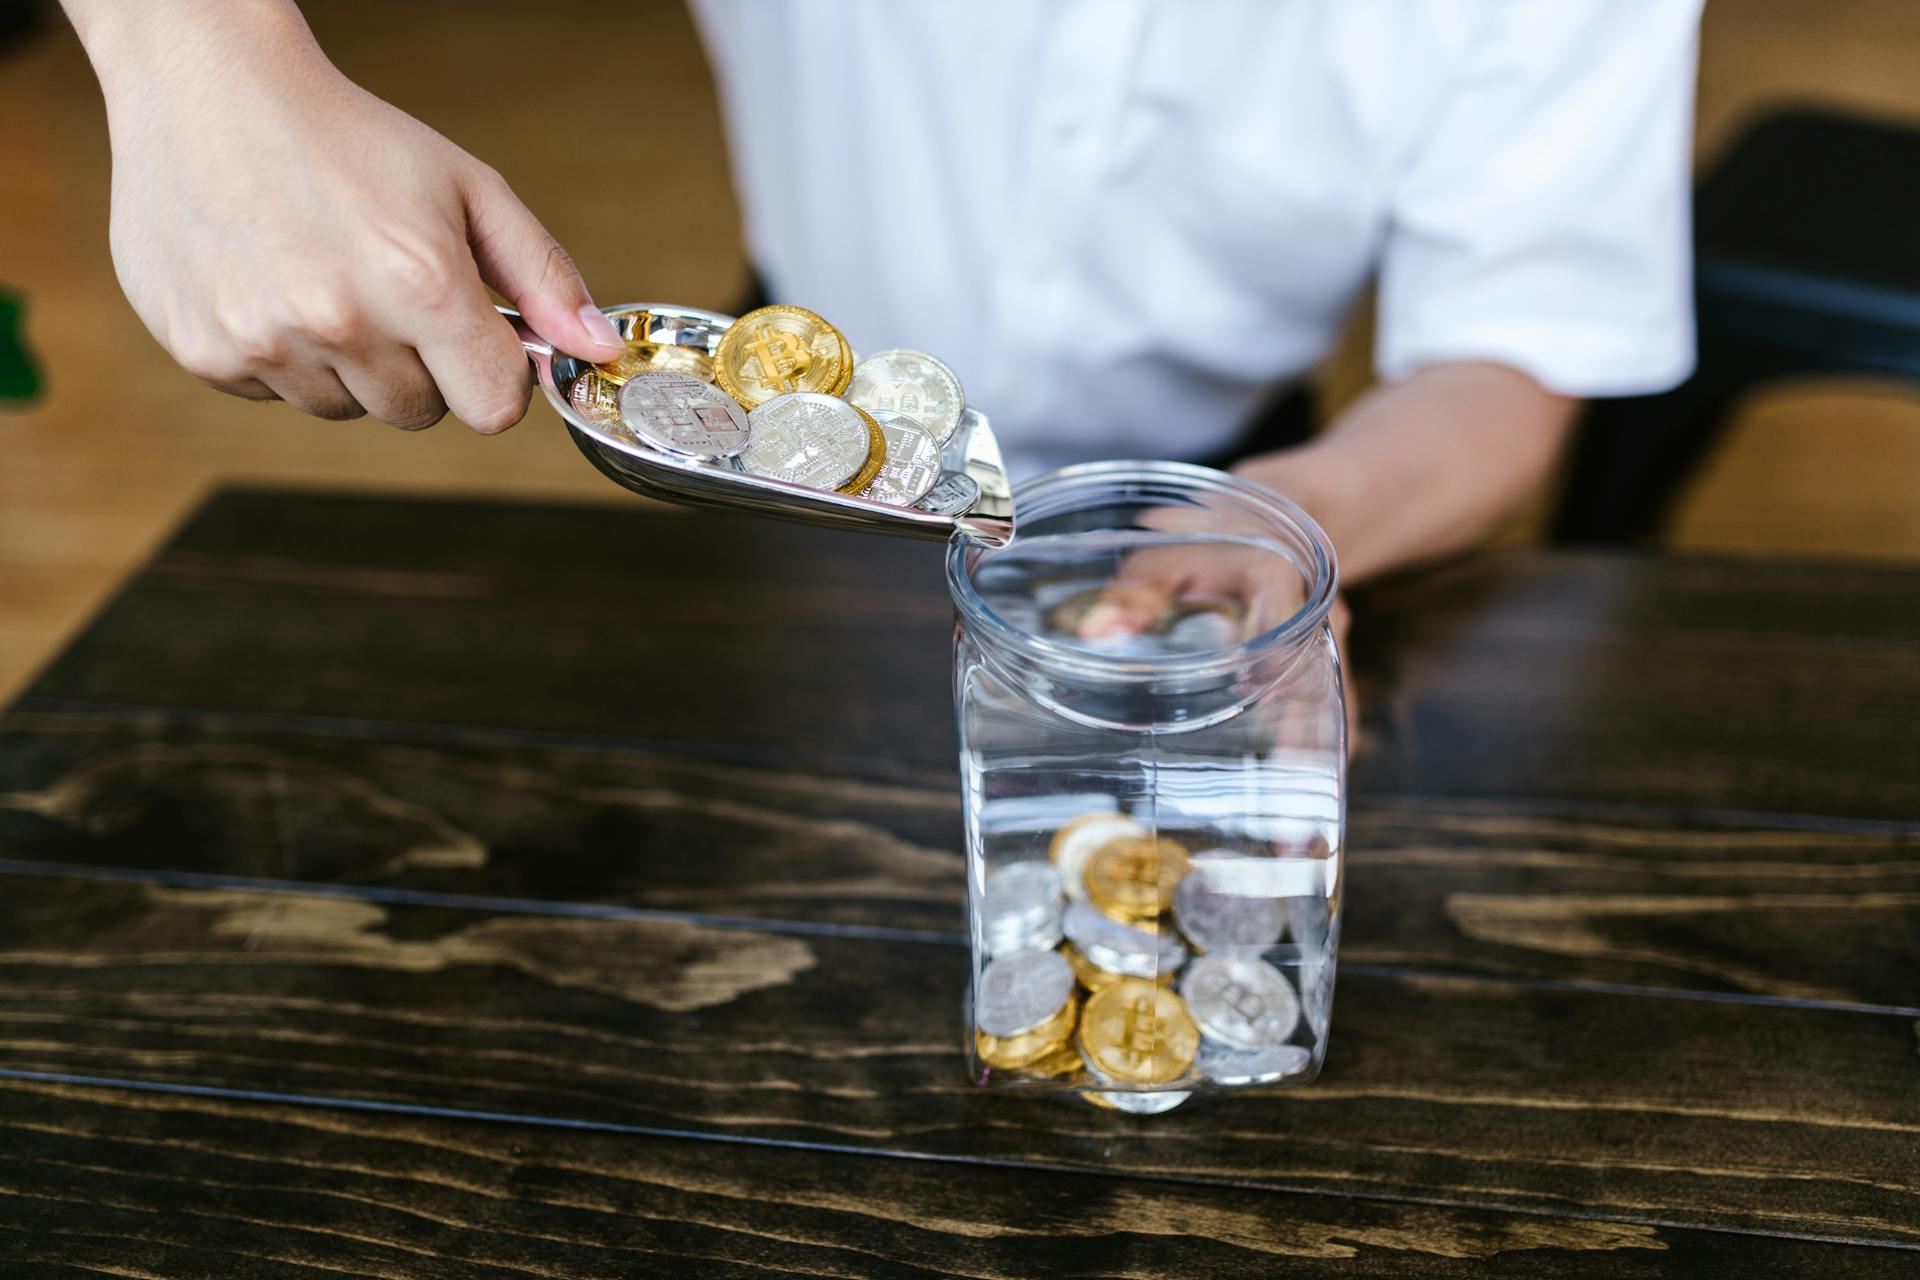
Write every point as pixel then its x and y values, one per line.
pixel 782 397
pixel 1121 962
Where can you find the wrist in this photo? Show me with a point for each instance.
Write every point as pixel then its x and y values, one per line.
pixel 1311 477
pixel 133 46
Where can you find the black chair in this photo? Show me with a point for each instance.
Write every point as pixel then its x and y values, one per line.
pixel 1807 261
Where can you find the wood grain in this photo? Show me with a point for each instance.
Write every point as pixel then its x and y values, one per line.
pixel 1590 679
pixel 1498 1095
pixel 1793 912
pixel 159 1184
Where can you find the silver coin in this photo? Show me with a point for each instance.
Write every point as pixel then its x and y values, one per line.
pixel 1021 894
pixel 1042 935
pixel 953 494
pixel 683 415
pixel 1242 1067
pixel 1121 948
pixel 1215 913
pixel 913 461
pixel 806 438
pixel 913 383
pixel 1203 631
pixel 1020 910
pixel 1020 991
pixel 1241 1002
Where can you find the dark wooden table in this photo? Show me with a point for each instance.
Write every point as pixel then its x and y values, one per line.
pixel 404 888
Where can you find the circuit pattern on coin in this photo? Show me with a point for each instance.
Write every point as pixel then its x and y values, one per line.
pixel 806 438
pixel 594 398
pixel 912 463
pixel 954 493
pixel 681 414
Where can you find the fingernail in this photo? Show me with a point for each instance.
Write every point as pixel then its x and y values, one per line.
pixel 599 328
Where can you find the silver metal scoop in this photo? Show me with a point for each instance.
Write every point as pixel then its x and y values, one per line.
pixel 972 495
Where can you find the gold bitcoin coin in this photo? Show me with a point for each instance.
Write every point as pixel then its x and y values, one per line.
pixel 1133 878
pixel 1029 1047
pixel 1138 1032
pixel 777 350
pixel 594 398
pixel 876 455
pixel 654 357
pixel 1061 1062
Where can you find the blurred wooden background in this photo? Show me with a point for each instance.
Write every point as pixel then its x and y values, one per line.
pixel 121 444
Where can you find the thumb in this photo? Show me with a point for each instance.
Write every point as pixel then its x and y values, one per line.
pixel 530 269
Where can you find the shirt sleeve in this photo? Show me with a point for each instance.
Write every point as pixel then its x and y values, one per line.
pixel 1543 218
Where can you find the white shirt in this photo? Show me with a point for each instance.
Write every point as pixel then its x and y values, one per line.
pixel 1123 222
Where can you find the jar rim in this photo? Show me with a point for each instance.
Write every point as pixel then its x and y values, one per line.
pixel 1040 496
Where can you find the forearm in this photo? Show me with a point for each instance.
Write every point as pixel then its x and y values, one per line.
pixel 137 42
pixel 1426 467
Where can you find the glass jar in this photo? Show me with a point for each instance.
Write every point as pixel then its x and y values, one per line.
pixel 1153 753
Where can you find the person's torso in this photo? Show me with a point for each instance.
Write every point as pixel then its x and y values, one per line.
pixel 1122 222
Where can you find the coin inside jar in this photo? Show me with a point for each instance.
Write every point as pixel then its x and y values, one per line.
pixel 683 415
pixel 1075 842
pixel 1138 1032
pixel 806 438
pixel 1021 991
pixel 1138 951
pixel 778 350
pixel 912 462
pixel 1093 977
pixel 1227 1066
pixel 1020 908
pixel 1134 877
pixel 912 383
pixel 1216 910
pixel 1242 1002
pixel 1030 1048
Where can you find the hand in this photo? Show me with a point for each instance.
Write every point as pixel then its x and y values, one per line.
pixel 285 234
pixel 1258 587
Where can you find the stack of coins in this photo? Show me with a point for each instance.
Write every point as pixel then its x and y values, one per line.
pixel 1025 1014
pixel 1121 961
pixel 781 397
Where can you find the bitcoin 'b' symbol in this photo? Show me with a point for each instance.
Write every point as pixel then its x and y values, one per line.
pixel 1144 1031
pixel 779 350
pixel 783 359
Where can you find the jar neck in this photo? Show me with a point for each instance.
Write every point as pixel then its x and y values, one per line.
pixel 1235 509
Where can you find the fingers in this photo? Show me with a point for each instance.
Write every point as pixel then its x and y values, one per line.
pixel 517 256
pixel 478 363
pixel 395 387
pixel 314 389
pixel 245 388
